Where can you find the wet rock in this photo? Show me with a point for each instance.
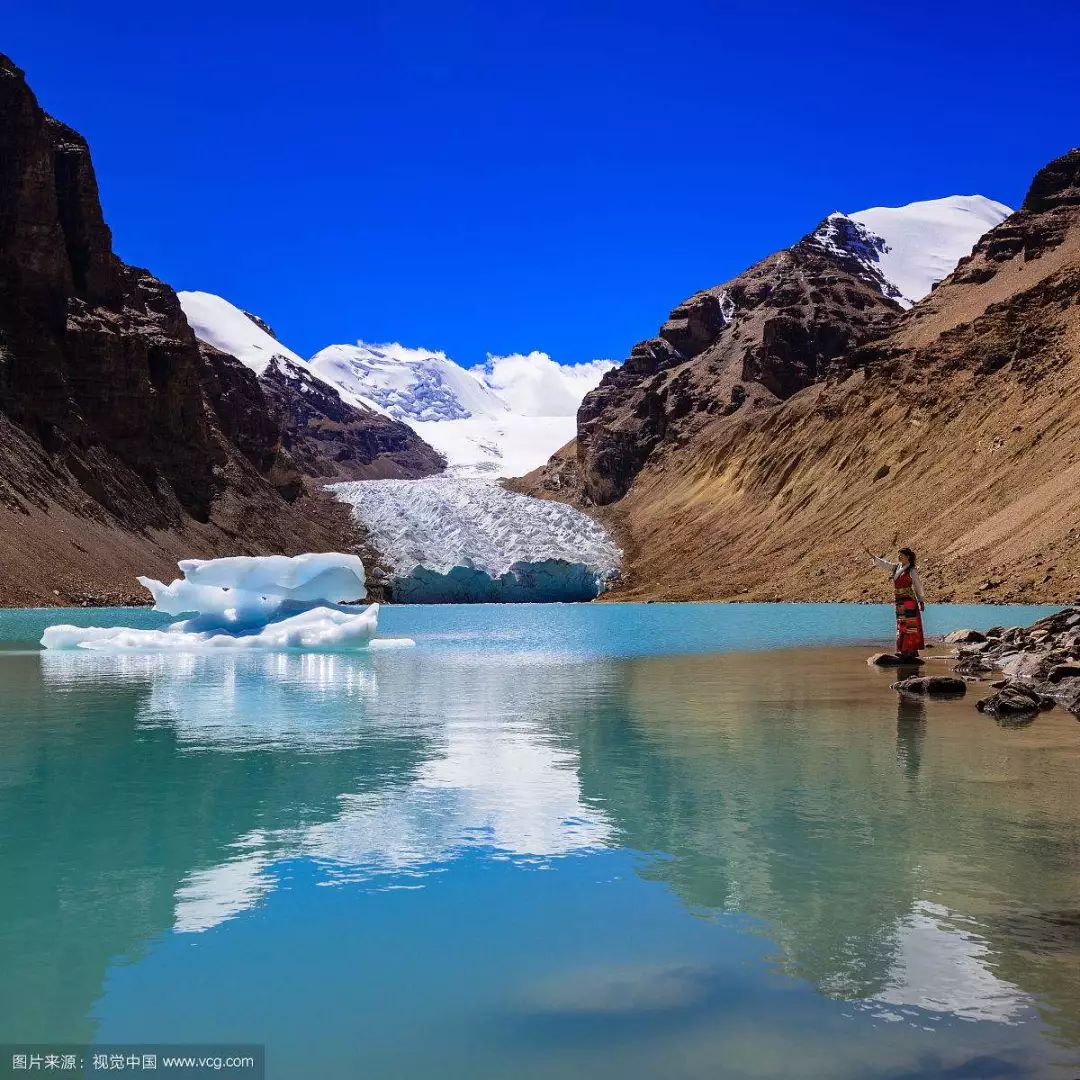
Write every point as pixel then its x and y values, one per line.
pixel 1063 671
pixel 973 666
pixel 963 637
pixel 888 659
pixel 932 686
pixel 1015 699
pixel 1023 666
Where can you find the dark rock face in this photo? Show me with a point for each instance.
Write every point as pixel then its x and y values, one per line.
pixel 93 353
pixel 330 439
pixel 124 443
pixel 744 345
pixel 1015 699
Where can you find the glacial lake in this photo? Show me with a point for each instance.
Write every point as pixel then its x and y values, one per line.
pixel 604 841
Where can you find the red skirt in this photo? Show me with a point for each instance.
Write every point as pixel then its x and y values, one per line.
pixel 909 631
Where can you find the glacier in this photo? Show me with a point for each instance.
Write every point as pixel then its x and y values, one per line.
pixel 248 602
pixel 453 539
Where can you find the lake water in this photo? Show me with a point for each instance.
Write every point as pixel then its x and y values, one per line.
pixel 612 841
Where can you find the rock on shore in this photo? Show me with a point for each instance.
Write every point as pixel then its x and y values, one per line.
pixel 1041 663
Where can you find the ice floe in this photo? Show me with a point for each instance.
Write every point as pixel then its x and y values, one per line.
pixel 248 602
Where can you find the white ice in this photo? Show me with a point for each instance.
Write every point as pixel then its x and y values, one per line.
pixel 449 539
pixel 248 602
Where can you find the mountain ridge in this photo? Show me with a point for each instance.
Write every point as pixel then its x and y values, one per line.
pixel 950 428
pixel 125 444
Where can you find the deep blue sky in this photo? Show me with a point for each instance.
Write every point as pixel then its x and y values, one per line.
pixel 510 176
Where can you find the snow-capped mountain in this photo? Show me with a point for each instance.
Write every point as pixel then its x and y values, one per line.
pixel 502 419
pixel 906 250
pixel 407 384
pixel 327 434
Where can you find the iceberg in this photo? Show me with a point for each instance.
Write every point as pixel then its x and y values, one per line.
pixel 248 602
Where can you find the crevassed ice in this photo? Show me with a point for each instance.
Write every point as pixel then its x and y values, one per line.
pixel 450 539
pixel 247 602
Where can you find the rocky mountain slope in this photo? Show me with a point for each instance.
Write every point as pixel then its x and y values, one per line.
pixel 766 334
pixel 950 427
pixel 327 434
pixel 124 444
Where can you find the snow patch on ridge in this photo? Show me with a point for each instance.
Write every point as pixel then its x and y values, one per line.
pixel 449 539
pixel 907 250
pixel 226 327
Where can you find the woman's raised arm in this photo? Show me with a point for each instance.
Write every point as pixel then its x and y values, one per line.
pixel 878 561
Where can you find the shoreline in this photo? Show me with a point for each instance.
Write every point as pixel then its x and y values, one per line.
pixel 130 601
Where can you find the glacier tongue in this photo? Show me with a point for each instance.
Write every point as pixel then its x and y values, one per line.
pixel 452 539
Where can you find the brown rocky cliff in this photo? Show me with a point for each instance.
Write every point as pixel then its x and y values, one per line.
pixel 954 432
pixel 92 352
pixel 736 348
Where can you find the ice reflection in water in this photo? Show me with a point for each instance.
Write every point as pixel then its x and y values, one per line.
pixel 497 779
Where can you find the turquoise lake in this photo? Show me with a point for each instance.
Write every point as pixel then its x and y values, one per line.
pixel 603 841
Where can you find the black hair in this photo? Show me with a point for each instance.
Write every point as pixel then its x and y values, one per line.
pixel 910 554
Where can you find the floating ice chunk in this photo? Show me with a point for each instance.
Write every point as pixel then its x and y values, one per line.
pixel 269 602
pixel 325 578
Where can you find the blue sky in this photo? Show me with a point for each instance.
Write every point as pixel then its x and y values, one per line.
pixel 503 177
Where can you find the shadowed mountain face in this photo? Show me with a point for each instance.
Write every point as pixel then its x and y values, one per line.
pixel 123 443
pixel 950 427
pixel 331 439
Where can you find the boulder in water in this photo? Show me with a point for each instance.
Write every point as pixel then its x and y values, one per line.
pixel 890 659
pixel 1069 670
pixel 1015 699
pixel 965 637
pixel 932 686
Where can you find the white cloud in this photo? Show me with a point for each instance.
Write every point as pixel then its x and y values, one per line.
pixel 536 385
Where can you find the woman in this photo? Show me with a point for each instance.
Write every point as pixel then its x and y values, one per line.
pixel 909 601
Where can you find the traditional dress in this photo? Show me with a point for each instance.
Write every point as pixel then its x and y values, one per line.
pixel 909 601
pixel 909 635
